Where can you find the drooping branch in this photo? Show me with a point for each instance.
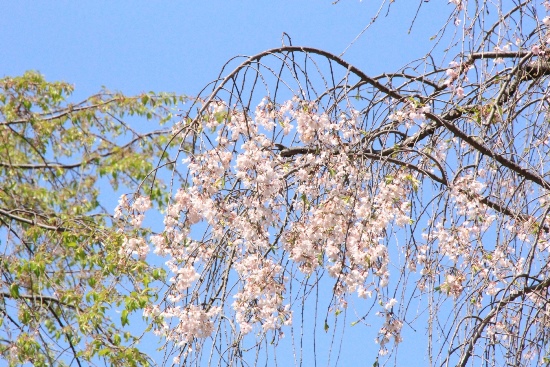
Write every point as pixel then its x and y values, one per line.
pixel 456 215
pixel 467 353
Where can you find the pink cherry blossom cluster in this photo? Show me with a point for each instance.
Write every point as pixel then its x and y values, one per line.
pixel 391 329
pixel 347 228
pixel 409 113
pixel 238 188
pixel 261 298
pixel 136 211
pixel 458 3
pixel 454 73
pixel 290 183
pixel 458 243
pixel 473 268
pixel 250 202
pixel 134 215
pixel 134 246
pixel 192 322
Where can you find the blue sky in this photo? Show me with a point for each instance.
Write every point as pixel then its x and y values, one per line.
pixel 180 46
pixel 137 46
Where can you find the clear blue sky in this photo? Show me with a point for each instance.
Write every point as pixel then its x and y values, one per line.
pixel 137 46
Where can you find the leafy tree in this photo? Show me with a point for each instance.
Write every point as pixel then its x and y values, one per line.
pixel 62 272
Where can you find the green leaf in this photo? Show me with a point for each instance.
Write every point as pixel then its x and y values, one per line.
pixel 25 317
pixel 104 352
pixel 124 318
pixel 304 200
pixel 14 290
pixel 144 99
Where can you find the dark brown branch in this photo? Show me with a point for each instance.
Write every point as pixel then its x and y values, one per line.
pixel 498 54
pixel 530 71
pixel 527 174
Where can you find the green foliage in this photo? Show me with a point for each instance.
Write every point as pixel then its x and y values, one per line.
pixel 61 269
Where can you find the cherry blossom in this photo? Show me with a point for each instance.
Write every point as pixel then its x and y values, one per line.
pixel 421 194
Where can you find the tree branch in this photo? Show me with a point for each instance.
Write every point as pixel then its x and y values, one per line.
pixel 481 326
pixel 40 298
pixel 527 174
pixel 31 222
pixel 84 162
